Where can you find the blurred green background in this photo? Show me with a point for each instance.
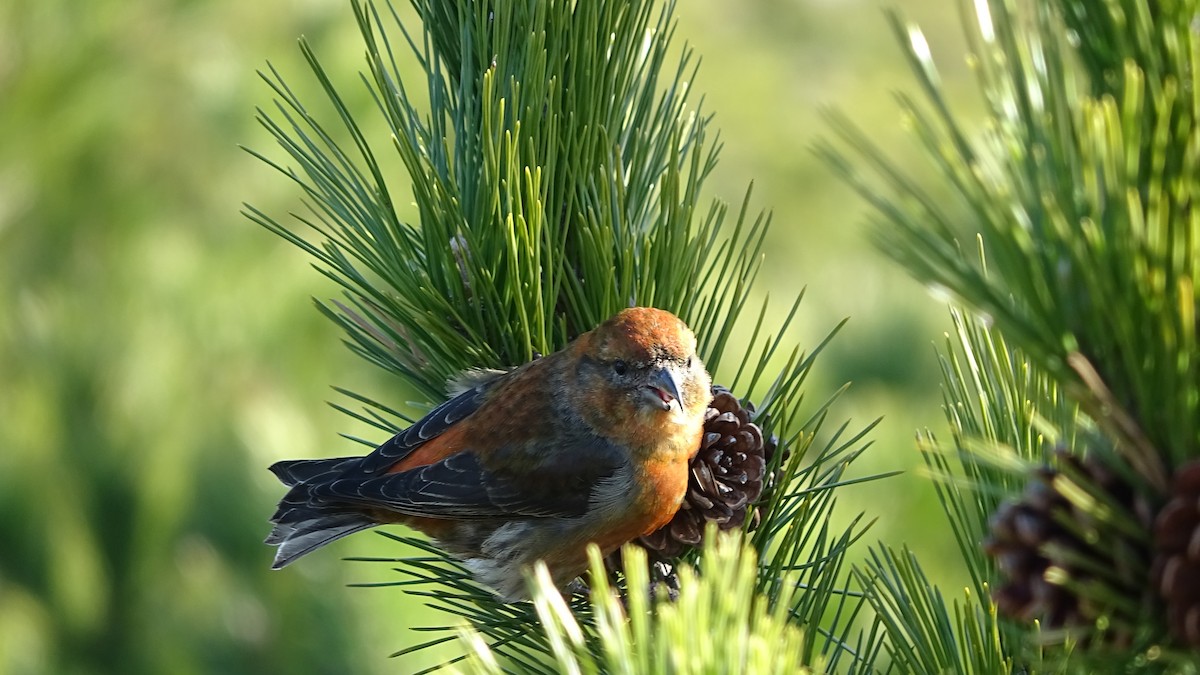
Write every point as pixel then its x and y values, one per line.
pixel 158 351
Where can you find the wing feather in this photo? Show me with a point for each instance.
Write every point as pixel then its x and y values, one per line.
pixel 461 487
pixel 430 426
pixel 526 479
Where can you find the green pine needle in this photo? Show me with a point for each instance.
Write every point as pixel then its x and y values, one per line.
pixel 557 180
pixel 718 624
pixel 1079 186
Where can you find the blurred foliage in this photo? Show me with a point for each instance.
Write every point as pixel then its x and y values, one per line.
pixel 136 372
pixel 717 624
pixel 156 352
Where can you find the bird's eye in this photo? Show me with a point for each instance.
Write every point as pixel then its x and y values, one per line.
pixel 619 367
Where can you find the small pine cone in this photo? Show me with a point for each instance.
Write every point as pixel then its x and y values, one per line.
pixel 1176 569
pixel 1026 539
pixel 1019 530
pixel 726 477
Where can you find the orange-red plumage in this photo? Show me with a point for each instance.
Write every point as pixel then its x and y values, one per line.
pixel 453 441
pixel 589 444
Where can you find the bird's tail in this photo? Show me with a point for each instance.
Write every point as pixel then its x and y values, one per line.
pixel 304 524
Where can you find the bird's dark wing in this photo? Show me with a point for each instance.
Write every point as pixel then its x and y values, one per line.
pixel 430 426
pixel 461 487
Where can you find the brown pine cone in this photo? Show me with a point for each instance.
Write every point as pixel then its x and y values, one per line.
pixel 727 476
pixel 1019 530
pixel 1176 569
pixel 1027 538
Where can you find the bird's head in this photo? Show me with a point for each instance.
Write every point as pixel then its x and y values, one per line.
pixel 641 365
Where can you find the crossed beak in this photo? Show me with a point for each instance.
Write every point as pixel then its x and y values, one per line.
pixel 662 387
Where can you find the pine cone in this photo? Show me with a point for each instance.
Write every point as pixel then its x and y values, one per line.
pixel 1019 530
pixel 1176 569
pixel 1027 539
pixel 727 476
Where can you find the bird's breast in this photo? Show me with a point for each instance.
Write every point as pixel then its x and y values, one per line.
pixel 662 484
pixel 638 500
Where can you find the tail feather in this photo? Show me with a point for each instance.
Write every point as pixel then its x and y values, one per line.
pixel 304 524
pixel 292 472
pixel 297 539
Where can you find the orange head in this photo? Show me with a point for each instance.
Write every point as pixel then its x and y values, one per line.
pixel 640 371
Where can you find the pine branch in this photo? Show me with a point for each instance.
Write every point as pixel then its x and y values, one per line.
pixel 717 624
pixel 1009 423
pixel 1080 191
pixel 531 108
pixel 1079 188
pixel 558 172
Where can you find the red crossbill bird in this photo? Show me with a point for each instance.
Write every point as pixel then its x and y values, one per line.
pixel 590 444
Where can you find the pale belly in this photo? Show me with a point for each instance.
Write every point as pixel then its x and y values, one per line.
pixel 498 554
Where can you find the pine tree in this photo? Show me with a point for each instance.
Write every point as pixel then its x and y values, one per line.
pixel 558 170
